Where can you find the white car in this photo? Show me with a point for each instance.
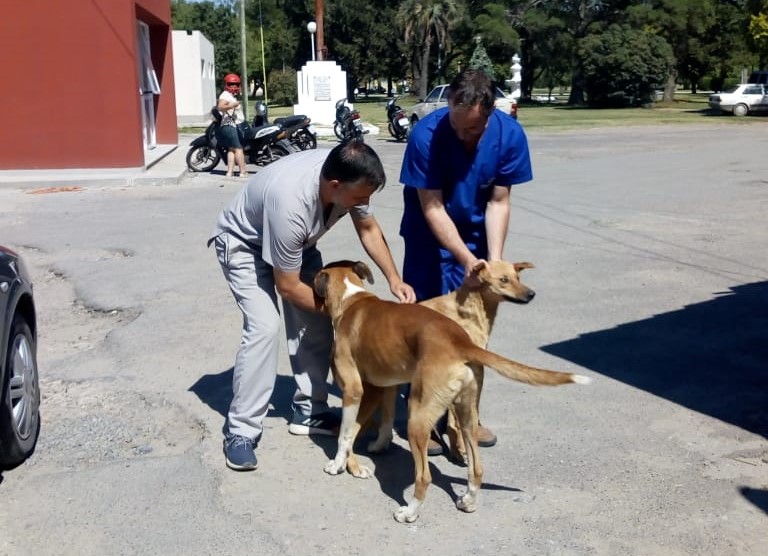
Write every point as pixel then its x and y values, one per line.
pixel 438 97
pixel 741 100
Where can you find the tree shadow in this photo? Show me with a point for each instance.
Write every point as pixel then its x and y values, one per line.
pixel 709 357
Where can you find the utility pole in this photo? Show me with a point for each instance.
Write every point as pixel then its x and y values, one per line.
pixel 244 76
pixel 320 36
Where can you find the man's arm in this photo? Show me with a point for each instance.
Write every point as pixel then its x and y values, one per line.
pixel 497 221
pixel 374 243
pixel 291 288
pixel 444 228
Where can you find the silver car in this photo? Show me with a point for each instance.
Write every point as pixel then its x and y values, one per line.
pixel 741 100
pixel 438 97
pixel 19 383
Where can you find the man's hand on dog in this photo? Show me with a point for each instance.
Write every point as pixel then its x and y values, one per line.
pixel 471 272
pixel 402 291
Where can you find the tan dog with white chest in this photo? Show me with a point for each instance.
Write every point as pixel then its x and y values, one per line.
pixel 380 344
pixel 474 308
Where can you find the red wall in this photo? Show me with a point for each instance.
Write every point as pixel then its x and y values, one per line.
pixel 70 88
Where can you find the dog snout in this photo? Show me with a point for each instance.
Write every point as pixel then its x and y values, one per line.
pixel 522 296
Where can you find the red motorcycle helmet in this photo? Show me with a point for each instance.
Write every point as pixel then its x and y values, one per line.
pixel 232 83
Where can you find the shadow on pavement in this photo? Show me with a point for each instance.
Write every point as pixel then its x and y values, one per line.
pixel 757 496
pixel 215 391
pixel 709 357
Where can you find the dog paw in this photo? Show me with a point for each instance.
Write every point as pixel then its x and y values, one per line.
pixel 404 514
pixel 364 472
pixel 467 503
pixel 332 468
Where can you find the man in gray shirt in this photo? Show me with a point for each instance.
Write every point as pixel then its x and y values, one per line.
pixel 266 244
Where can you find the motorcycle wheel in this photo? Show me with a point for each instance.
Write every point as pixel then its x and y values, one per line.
pixel 391 129
pixel 275 152
pixel 338 130
pixel 202 159
pixel 305 140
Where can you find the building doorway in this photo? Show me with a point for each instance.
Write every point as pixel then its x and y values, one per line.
pixel 148 85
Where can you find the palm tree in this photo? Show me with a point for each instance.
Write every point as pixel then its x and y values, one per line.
pixel 425 22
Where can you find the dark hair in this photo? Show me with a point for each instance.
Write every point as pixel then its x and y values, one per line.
pixel 472 87
pixel 352 161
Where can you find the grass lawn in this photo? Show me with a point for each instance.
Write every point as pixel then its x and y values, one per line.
pixel 686 109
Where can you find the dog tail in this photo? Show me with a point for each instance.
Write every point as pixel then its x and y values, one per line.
pixel 524 373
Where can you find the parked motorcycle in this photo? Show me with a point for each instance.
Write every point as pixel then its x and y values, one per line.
pixel 299 129
pixel 397 120
pixel 262 145
pixel 348 124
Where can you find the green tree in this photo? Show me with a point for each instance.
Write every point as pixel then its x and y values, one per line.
pixel 623 66
pixel 425 22
pixel 480 59
pixel 685 25
pixel 581 19
pixel 758 31
pixel 501 40
pixel 358 40
pixel 282 87
pixel 218 22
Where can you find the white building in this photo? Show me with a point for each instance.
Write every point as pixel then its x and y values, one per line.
pixel 194 71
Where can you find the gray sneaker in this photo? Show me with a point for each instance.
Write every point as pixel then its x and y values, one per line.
pixel 238 451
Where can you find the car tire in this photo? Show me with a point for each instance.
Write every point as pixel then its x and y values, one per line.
pixel 740 110
pixel 20 401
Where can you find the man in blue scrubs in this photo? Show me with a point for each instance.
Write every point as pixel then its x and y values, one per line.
pixel 457 171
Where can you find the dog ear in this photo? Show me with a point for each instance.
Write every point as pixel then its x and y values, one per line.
pixel 362 270
pixel 481 270
pixel 321 284
pixel 522 265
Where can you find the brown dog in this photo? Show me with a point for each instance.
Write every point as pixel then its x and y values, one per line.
pixel 474 309
pixel 380 344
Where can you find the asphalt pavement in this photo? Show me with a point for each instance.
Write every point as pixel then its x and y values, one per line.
pixel 651 278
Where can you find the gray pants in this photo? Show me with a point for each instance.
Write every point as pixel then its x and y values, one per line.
pixel 309 336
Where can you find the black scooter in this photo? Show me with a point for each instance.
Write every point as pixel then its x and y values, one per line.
pixel 397 120
pixel 348 124
pixel 262 145
pixel 298 128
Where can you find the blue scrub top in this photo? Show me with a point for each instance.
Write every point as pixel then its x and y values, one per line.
pixel 436 159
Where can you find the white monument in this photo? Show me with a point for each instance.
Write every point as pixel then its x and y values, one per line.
pixel 319 85
pixel 514 83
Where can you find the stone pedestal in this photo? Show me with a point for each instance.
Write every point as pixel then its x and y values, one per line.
pixel 320 85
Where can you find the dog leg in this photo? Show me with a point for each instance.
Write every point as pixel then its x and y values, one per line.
pixel 388 400
pixel 352 389
pixel 422 417
pixel 466 413
pixel 418 437
pixel 455 438
pixel 344 455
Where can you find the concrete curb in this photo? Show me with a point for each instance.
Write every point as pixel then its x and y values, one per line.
pixel 168 167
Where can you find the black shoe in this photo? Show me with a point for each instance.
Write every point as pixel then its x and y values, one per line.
pixel 326 423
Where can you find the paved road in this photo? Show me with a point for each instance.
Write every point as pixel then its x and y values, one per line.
pixel 651 277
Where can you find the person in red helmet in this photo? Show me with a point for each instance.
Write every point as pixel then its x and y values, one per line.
pixel 231 114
